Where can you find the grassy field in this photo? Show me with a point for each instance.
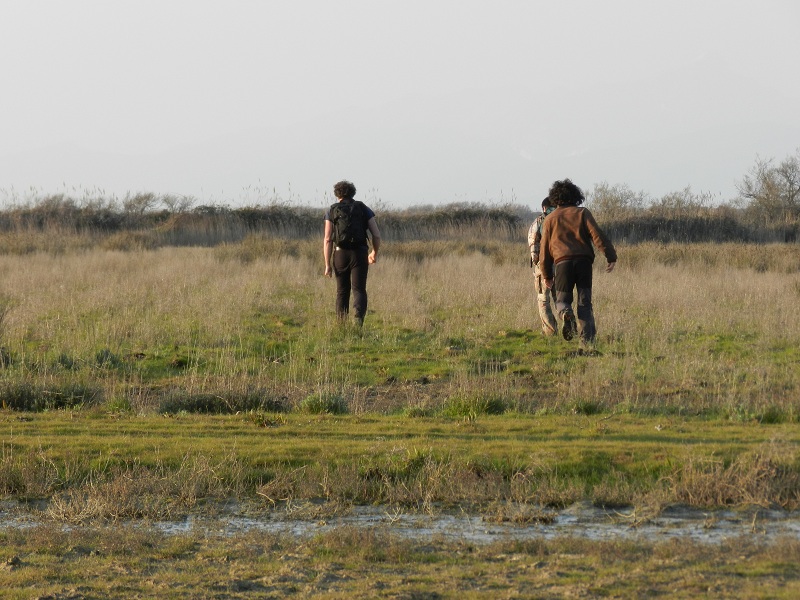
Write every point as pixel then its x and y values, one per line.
pixel 151 384
pixel 703 330
pixel 135 563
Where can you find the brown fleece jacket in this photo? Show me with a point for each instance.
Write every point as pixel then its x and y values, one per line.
pixel 568 233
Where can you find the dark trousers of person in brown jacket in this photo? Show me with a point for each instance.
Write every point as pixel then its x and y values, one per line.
pixel 576 274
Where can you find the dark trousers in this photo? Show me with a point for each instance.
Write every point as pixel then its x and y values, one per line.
pixel 576 274
pixel 350 268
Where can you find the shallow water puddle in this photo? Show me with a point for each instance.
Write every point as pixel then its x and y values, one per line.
pixel 578 521
pixel 581 520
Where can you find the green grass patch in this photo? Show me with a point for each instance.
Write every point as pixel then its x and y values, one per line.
pixel 157 464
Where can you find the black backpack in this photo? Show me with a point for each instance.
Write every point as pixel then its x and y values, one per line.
pixel 349 224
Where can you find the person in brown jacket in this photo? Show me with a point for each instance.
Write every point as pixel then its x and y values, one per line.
pixel 566 256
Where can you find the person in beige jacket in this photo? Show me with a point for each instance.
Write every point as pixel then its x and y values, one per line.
pixel 544 295
pixel 569 236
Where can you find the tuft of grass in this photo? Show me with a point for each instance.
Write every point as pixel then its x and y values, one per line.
pixel 587 407
pixel 27 396
pixel 106 359
pixel 119 404
pixel 65 361
pixel 472 406
pixel 262 419
pixel 6 358
pixel 416 411
pixel 323 403
pixel 768 475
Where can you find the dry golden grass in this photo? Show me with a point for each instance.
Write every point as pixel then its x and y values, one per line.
pixel 680 328
pixel 111 298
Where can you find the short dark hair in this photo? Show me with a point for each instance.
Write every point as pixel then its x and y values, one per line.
pixel 344 189
pixel 565 193
pixel 546 203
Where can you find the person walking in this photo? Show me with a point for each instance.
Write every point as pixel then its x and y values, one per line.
pixel 566 257
pixel 543 293
pixel 346 249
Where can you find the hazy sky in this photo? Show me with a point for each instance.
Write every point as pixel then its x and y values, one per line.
pixel 416 102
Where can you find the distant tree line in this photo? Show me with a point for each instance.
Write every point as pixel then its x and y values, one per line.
pixel 766 210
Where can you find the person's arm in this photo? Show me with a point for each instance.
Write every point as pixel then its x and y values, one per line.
pixel 327 248
pixel 533 243
pixel 376 240
pixel 601 241
pixel 536 249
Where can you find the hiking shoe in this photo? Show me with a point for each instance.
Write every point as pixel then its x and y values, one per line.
pixel 569 327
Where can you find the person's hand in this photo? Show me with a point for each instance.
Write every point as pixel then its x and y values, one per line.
pixel 610 267
pixel 549 283
pixel 372 258
pixel 328 271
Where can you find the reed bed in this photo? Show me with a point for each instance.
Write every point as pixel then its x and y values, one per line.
pixel 58 223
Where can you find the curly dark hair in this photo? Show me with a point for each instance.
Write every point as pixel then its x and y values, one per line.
pixel 565 193
pixel 344 189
